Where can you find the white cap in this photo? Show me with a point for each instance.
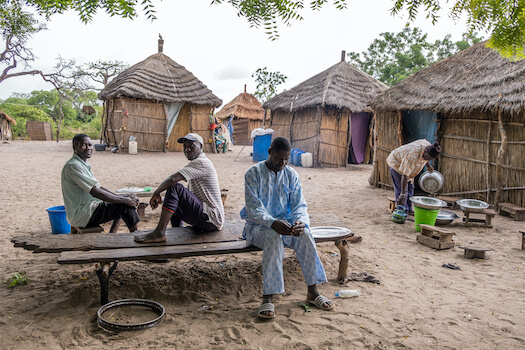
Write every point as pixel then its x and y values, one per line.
pixel 192 137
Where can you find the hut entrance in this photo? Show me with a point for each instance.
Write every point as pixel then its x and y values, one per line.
pixel 419 125
pixel 359 149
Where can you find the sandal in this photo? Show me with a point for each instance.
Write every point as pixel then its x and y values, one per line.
pixel 264 309
pixel 321 302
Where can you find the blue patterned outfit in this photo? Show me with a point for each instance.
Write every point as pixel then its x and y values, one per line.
pixel 274 196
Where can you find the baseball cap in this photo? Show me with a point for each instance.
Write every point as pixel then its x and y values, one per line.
pixel 192 137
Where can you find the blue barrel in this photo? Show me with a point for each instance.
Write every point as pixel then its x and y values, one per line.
pixel 57 218
pixel 292 155
pixel 261 144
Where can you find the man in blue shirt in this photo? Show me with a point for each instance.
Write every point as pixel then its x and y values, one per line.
pixel 276 217
pixel 87 203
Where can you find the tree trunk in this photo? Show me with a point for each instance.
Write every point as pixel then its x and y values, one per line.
pixel 499 161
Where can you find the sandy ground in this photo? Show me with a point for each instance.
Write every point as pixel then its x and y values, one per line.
pixel 211 301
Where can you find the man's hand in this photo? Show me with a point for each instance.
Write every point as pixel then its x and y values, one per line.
pixel 155 200
pixel 298 228
pixel 401 199
pixel 282 227
pixel 131 201
pixel 430 168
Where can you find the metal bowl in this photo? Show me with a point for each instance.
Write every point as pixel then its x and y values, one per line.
pixel 445 217
pixel 431 182
pixel 428 202
pixel 472 205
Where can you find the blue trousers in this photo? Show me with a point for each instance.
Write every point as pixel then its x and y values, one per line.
pixel 396 179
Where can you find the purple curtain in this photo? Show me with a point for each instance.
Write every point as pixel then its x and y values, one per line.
pixel 360 128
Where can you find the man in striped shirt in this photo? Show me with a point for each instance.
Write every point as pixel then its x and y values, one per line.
pixel 199 205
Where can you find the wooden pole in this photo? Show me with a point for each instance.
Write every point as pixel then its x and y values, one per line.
pixel 317 161
pixel 499 161
pixel 400 127
pixel 165 146
pixel 487 198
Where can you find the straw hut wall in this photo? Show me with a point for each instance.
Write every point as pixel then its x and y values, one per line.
pixel 478 98
pixel 6 133
pixel 316 114
pixel 141 100
pixel 39 131
pixel 245 113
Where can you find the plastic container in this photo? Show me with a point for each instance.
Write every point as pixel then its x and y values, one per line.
pixel 297 158
pixel 424 216
pixel 307 160
pixel 292 155
pixel 261 144
pixel 58 221
pixel 132 147
pixel 348 293
pixel 100 146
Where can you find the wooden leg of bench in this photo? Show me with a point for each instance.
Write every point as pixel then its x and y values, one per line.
pixel 104 272
pixel 342 245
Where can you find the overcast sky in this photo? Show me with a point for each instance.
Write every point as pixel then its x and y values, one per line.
pixel 219 47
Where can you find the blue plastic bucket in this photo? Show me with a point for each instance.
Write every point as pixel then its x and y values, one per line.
pixel 57 218
pixel 261 144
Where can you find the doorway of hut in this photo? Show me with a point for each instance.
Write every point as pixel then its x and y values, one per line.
pixel 359 147
pixel 419 124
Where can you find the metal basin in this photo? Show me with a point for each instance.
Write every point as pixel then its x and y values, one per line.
pixel 445 217
pixel 431 182
pixel 428 202
pixel 472 205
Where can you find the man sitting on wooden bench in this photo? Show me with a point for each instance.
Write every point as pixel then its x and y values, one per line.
pixel 276 217
pixel 199 205
pixel 87 203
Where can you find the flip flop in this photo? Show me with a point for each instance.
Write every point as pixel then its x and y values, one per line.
pixel 266 307
pixel 320 301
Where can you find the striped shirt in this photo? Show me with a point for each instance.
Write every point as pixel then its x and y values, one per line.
pixel 408 159
pixel 204 184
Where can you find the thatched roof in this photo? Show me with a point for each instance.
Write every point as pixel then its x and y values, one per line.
pixel 342 85
pixel 161 79
pixel 9 119
pixel 244 106
pixel 477 78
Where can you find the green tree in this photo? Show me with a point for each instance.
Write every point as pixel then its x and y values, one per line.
pixel 395 56
pixel 22 112
pixel 267 83
pixel 504 19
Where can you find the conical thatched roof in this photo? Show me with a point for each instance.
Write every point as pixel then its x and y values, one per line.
pixel 477 78
pixel 341 85
pixel 244 106
pixel 160 78
pixel 9 119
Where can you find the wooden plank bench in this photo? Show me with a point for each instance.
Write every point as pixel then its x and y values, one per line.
pixel 107 248
pixel 435 237
pixel 514 211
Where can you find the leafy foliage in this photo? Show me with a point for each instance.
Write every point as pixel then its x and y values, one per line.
pixel 504 19
pixel 18 279
pixel 267 83
pixel 395 56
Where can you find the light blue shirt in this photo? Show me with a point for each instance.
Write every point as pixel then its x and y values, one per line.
pixel 271 196
pixel 77 181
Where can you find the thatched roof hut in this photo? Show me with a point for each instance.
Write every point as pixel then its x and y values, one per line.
pixel 317 115
pixel 5 126
pixel 478 100
pixel 242 114
pixel 157 101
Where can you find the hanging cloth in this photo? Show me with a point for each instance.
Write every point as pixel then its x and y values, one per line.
pixel 173 114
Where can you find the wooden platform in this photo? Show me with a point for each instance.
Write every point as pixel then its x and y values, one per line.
pixel 514 211
pixel 474 252
pixel 451 202
pixel 435 237
pixel 391 203
pixel 484 221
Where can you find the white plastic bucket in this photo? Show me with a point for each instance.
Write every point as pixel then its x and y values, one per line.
pixel 132 147
pixel 307 160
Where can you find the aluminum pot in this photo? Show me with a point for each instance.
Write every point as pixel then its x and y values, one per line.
pixel 431 182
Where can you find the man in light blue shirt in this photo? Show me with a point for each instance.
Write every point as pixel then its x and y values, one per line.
pixel 87 203
pixel 276 217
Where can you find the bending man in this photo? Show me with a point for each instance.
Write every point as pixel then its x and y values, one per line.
pixel 405 163
pixel 199 205
pixel 87 203
pixel 276 217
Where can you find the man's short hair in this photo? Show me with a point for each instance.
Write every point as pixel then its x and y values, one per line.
pixel 281 144
pixel 77 139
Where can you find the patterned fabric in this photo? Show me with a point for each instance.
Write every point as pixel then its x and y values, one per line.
pixel 77 180
pixel 408 159
pixel 269 197
pixel 204 184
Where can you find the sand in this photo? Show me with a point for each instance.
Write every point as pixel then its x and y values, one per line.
pixel 211 301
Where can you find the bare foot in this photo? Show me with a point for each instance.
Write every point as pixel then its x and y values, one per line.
pixel 154 236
